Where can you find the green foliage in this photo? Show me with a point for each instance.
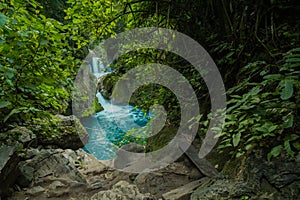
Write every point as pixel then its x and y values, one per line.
pixel 46 127
pixel 132 136
pixel 264 113
pixel 37 64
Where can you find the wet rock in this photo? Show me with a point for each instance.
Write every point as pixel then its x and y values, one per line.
pixel 133 147
pixel 8 167
pixel 105 85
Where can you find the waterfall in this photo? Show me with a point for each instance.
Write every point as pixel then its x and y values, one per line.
pixel 108 127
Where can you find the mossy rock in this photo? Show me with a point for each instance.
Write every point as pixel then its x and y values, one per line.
pixel 161 139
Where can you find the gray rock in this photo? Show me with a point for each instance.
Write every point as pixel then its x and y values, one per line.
pixel 8 167
pixel 133 147
pixel 123 191
pixel 35 191
pixel 105 85
pixel 254 177
pixel 53 163
pixel 56 184
pixel 30 153
pixel 185 190
pixel 20 135
pixel 26 174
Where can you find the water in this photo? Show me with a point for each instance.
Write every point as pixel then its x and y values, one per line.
pixel 108 127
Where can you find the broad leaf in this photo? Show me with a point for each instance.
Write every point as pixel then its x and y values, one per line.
pixel 3 19
pixel 14 111
pixel 236 139
pixel 274 152
pixel 4 104
pixel 288 149
pixel 287 89
pixel 288 121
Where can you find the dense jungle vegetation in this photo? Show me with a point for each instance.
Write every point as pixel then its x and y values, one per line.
pixel 255 45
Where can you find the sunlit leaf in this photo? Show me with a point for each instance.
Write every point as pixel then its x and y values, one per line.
pixel 236 139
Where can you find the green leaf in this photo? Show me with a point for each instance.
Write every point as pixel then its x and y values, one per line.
pixel 275 152
pixel 273 77
pixel 297 145
pixel 4 104
pixel 254 91
pixel 236 139
pixel 248 147
pixel 291 137
pixel 288 149
pixel 44 42
pixel 14 111
pixel 288 121
pixel 3 19
pixel 9 74
pixel 10 82
pixel 296 60
pixel 287 89
pixel 239 154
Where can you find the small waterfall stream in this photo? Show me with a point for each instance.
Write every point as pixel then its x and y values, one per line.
pixel 108 127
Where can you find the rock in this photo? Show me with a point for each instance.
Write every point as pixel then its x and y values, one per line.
pixel 26 175
pixel 59 193
pixel 133 147
pixel 254 177
pixel 123 191
pixel 123 159
pixel 19 135
pixel 105 85
pixel 55 163
pixel 30 153
pixel 56 184
pixel 185 190
pixel 8 167
pixel 35 191
pixel 195 174
pixel 164 180
pixel 26 136
pixel 72 134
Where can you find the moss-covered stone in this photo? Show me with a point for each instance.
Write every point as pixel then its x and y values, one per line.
pixel 106 84
pixel 161 139
pixel 85 88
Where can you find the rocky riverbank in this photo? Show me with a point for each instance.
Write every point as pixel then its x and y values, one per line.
pixel 35 168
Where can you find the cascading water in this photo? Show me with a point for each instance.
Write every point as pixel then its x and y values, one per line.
pixel 108 127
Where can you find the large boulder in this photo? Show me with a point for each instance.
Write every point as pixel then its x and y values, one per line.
pixel 252 177
pixel 105 85
pixel 72 134
pixel 63 174
pixel 49 162
pixel 8 167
